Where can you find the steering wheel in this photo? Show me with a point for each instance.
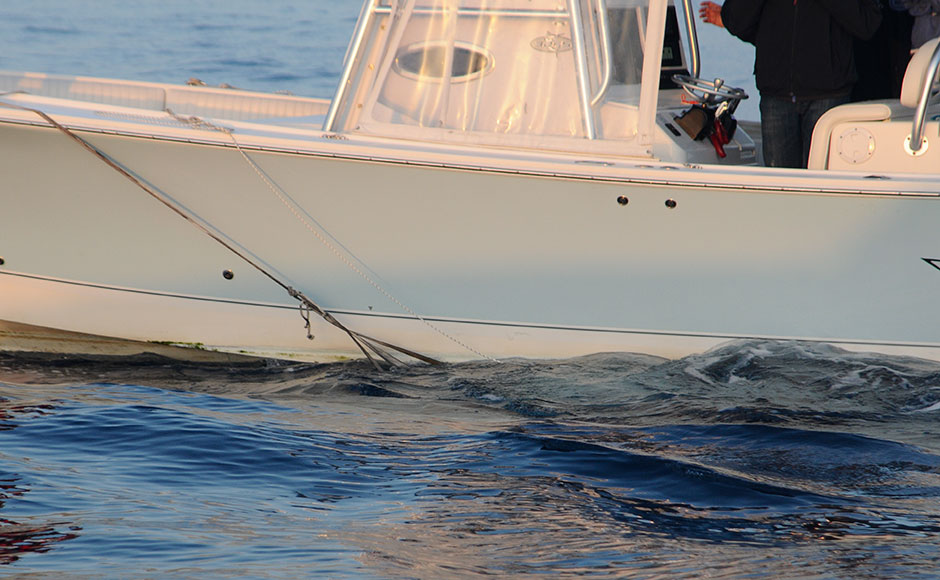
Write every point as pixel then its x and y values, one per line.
pixel 708 92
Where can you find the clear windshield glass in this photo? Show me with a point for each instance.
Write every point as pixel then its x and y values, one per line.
pixel 499 68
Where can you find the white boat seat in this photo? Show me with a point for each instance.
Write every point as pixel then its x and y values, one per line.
pixel 859 120
pixel 914 76
pixel 852 113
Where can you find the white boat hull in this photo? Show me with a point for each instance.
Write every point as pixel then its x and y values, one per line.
pixel 277 331
pixel 455 259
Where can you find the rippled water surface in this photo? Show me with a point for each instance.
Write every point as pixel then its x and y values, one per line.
pixel 756 460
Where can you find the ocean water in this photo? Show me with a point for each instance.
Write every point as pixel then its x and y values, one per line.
pixel 755 460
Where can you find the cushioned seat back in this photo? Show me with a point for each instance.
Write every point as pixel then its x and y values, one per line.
pixel 915 76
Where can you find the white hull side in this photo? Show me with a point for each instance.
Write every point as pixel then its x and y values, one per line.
pixel 555 257
pixel 278 331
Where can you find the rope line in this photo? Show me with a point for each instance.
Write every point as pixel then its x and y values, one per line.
pixel 365 343
pixel 199 123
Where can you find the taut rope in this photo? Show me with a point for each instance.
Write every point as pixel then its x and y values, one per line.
pixel 199 123
pixel 365 343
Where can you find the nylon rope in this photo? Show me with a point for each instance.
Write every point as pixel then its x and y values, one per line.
pixel 199 123
pixel 363 342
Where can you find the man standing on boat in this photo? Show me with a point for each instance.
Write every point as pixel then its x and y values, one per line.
pixel 804 62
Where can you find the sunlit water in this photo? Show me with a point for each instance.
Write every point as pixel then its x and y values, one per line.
pixel 758 460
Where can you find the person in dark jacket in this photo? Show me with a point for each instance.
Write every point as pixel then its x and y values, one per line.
pixel 883 59
pixel 804 62
pixel 926 15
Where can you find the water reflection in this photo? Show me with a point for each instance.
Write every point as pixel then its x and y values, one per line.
pixel 16 538
pixel 467 523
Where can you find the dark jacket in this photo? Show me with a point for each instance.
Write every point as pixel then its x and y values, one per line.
pixel 926 15
pixel 804 47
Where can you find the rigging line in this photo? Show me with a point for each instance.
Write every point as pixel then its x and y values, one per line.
pixel 292 206
pixel 360 340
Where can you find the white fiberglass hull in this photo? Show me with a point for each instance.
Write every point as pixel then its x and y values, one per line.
pixel 455 258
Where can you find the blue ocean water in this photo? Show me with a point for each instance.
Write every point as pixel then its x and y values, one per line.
pixel 756 460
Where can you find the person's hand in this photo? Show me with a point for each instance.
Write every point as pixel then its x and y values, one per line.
pixel 711 13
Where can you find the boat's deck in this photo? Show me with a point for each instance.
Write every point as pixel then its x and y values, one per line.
pixel 201 101
pixel 753 130
pixel 284 123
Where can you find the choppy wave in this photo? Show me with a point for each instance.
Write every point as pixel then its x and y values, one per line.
pixel 758 459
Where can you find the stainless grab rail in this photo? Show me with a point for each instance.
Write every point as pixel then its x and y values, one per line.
pixel 604 41
pixel 365 22
pixel 694 58
pixel 584 91
pixel 917 141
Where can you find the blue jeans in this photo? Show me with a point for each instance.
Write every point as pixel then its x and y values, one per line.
pixel 787 128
